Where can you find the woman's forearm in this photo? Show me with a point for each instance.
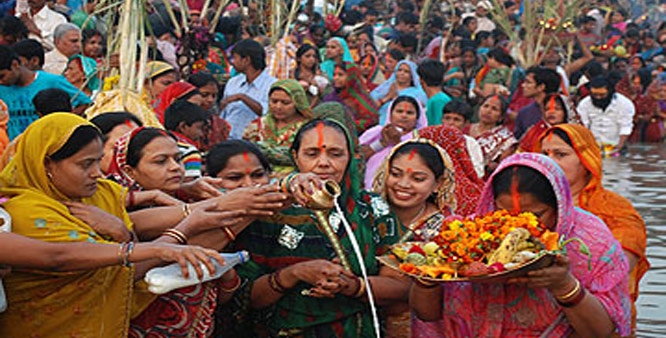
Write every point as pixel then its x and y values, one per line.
pixel 426 302
pixel 150 223
pixel 589 318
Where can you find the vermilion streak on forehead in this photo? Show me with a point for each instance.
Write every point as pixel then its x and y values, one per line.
pixel 320 132
pixel 411 157
pixel 515 196
pixel 246 157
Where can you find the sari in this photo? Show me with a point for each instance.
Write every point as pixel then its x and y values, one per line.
pixel 422 229
pixel 328 66
pixel 494 142
pixel 356 98
pixel 112 101
pixel 282 61
pixel 185 312
pixel 415 89
pixel 60 304
pixel 294 236
pixel 468 184
pixel 274 142
pixel 172 93
pixel 503 310
pixel 623 221
pixel 376 77
pixel 374 134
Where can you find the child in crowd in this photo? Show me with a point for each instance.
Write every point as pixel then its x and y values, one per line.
pixel 457 114
pixel 187 121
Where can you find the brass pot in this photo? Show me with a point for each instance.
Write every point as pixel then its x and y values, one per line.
pixel 324 199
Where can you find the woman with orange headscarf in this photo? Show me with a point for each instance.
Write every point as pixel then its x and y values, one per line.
pixel 576 151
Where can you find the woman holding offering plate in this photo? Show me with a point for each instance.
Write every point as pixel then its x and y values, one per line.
pixel 579 295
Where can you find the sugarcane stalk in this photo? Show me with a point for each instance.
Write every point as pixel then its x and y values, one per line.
pixel 143 58
pixel 422 23
pixel 125 61
pixel 290 18
pixel 216 17
pixel 172 16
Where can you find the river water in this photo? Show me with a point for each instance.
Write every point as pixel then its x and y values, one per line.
pixel 641 177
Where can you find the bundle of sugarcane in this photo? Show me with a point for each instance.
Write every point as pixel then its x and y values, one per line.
pixel 546 23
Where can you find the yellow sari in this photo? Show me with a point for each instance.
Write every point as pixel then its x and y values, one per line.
pixel 93 303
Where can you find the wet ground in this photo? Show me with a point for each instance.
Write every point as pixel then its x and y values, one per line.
pixel 641 177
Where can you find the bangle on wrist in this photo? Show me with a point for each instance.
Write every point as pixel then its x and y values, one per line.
pixel 131 198
pixel 274 282
pixel 127 251
pixel 178 235
pixel 187 210
pixel 361 288
pixel 235 284
pixel 574 300
pixel 230 234
pixel 571 293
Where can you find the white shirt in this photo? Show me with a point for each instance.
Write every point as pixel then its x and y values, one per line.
pixel 475 154
pixel 237 113
pixel 46 20
pixel 608 125
pixel 54 62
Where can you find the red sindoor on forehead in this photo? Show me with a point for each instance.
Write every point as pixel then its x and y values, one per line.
pixel 320 132
pixel 515 196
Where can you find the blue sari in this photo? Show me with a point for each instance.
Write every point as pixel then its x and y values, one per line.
pixel 415 90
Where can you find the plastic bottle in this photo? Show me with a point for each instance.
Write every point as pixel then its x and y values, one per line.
pixel 6 226
pixel 166 278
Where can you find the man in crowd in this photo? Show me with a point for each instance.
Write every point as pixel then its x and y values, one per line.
pixel 246 95
pixel 609 115
pixel 67 38
pixel 539 83
pixel 30 53
pixel 19 85
pixel 41 22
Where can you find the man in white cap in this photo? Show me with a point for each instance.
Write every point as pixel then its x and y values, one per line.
pixel 481 15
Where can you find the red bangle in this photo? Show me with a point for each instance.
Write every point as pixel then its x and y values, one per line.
pixel 575 300
pixel 131 199
pixel 235 284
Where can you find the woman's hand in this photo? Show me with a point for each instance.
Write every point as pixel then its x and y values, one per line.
pixel 324 275
pixel 153 197
pixel 556 278
pixel 391 135
pixel 203 188
pixel 303 185
pixel 184 254
pixel 255 201
pixel 209 217
pixel 101 221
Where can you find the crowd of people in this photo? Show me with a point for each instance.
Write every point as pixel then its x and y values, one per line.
pixel 418 114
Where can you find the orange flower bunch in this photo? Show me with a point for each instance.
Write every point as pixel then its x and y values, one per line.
pixel 470 240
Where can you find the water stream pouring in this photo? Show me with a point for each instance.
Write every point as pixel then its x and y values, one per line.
pixel 326 199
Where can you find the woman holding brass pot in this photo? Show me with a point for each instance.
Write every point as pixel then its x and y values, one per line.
pixel 297 272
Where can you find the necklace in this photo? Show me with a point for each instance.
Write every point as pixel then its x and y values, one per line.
pixel 411 227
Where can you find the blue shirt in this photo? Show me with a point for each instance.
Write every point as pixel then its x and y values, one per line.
pixel 527 117
pixel 19 100
pixel 237 113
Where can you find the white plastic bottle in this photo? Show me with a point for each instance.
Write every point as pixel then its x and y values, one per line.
pixel 6 226
pixel 166 278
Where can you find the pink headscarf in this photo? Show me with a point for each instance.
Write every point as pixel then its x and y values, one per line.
pixel 375 133
pixel 498 310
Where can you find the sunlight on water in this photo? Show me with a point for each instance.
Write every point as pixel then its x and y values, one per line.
pixel 641 177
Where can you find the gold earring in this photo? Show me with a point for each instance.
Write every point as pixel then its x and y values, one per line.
pixel 49 175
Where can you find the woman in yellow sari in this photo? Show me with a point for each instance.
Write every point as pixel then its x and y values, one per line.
pixel 54 176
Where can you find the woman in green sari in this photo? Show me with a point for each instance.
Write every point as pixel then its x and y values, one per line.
pixel 288 111
pixel 296 273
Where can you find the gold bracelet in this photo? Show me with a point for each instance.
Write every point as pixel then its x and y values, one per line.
pixel 230 233
pixel 571 293
pixel 187 210
pixel 361 288
pixel 177 235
